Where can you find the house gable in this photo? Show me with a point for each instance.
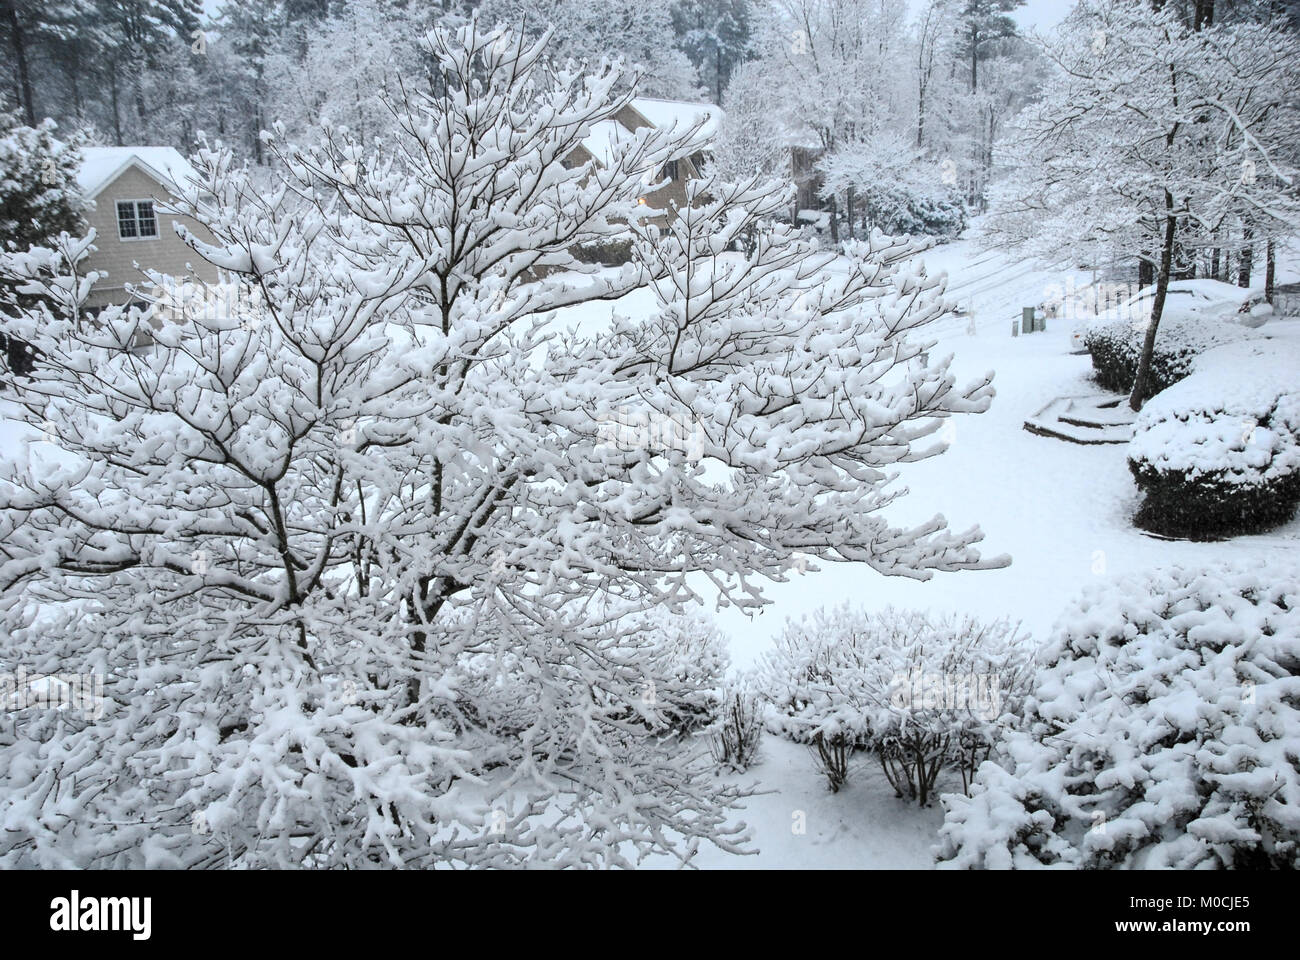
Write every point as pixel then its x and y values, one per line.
pixel 118 256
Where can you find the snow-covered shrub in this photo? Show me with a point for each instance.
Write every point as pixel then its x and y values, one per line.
pixel 922 692
pixel 903 208
pixel 831 752
pixel 1219 451
pixel 1164 731
pixel 685 662
pixel 734 738
pixel 1116 348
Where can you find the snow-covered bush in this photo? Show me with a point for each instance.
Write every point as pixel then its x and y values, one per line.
pixel 1116 348
pixel 923 692
pixel 1219 451
pixel 734 738
pixel 685 662
pixel 900 207
pixel 295 543
pixel 1164 732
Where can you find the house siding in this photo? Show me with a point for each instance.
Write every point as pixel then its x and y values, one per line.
pixel 166 253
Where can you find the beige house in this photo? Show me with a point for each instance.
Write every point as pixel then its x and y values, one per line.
pixel 134 231
pixel 652 112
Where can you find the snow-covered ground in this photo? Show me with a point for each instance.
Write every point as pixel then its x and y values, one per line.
pixel 797 823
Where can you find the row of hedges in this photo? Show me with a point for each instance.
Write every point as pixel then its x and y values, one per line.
pixel 1158 728
pixel 1218 453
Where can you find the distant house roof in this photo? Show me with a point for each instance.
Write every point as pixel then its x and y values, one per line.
pixel 665 113
pixel 600 142
pixel 100 166
pixel 660 114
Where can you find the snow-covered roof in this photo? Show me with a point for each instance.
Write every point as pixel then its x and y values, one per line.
pixel 600 142
pixel 100 166
pixel 662 114
pixel 665 113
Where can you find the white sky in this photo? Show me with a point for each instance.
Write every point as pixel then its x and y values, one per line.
pixel 1042 14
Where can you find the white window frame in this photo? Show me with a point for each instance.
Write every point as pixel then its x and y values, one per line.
pixel 135 210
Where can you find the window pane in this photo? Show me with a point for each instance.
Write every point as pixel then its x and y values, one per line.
pixel 145 217
pixel 126 219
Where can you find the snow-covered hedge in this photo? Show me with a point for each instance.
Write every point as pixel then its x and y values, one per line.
pixel 921 691
pixel 734 738
pixel 686 662
pixel 1116 347
pixel 1164 732
pixel 1219 452
pixel 900 209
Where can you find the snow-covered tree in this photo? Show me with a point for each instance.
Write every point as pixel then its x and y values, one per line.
pixel 715 35
pixel 26 26
pixel 251 29
pixel 829 72
pixel 39 198
pixel 752 136
pixel 588 30
pixel 1147 134
pixel 337 70
pixel 295 535
pixel 981 24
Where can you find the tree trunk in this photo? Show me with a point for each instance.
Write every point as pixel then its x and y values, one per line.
pixel 1270 271
pixel 1141 382
pixel 117 113
pixel 852 190
pixel 20 61
pixel 835 220
pixel 974 59
pixel 1214 265
pixel 1247 256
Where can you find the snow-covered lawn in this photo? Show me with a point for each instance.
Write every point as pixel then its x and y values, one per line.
pixel 863 826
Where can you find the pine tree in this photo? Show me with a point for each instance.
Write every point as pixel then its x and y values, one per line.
pixel 715 34
pixel 983 23
pixel 39 199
